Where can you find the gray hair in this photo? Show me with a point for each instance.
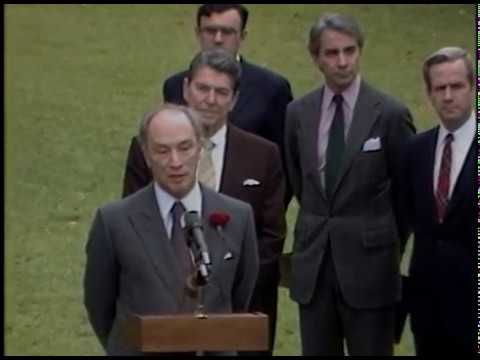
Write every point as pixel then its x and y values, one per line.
pixel 337 22
pixel 448 54
pixel 219 60
pixel 190 114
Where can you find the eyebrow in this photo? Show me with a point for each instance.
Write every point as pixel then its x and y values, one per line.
pixel 199 83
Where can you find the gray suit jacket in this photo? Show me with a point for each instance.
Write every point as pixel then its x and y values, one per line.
pixel 132 269
pixel 364 220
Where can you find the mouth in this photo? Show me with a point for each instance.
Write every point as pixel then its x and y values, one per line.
pixel 177 178
pixel 450 109
pixel 344 75
pixel 208 113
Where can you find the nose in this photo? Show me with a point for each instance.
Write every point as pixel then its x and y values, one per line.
pixel 342 61
pixel 218 37
pixel 448 93
pixel 175 160
pixel 211 96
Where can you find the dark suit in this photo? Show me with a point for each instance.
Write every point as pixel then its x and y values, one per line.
pixel 442 268
pixel 246 157
pixel 260 108
pixel 354 239
pixel 132 268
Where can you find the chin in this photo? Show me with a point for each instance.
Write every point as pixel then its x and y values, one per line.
pixel 178 192
pixel 345 82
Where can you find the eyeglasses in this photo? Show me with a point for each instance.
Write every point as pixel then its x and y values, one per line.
pixel 213 30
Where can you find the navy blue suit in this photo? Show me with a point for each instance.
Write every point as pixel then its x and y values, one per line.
pixel 442 269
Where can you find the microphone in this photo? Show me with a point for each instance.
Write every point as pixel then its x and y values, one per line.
pixel 194 227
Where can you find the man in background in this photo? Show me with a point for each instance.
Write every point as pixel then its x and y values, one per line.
pixel 441 190
pixel 241 165
pixel 344 142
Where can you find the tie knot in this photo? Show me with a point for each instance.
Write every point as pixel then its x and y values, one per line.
pixel 337 99
pixel 177 210
pixel 449 138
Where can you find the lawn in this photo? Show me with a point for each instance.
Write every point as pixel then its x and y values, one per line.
pixel 77 80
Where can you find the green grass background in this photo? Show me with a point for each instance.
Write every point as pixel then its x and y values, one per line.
pixel 77 79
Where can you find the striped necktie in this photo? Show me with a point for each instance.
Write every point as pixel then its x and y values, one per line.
pixel 443 184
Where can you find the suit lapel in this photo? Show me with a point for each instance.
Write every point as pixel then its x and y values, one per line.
pixel 229 160
pixel 147 222
pixel 427 171
pixel 244 89
pixel 311 123
pixel 365 114
pixel 214 241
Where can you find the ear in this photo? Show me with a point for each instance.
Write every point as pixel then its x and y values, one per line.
pixel 243 34
pixel 197 33
pixel 234 100
pixel 185 89
pixel 146 156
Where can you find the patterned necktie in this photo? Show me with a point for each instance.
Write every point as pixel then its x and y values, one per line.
pixel 179 241
pixel 443 184
pixel 336 146
pixel 206 170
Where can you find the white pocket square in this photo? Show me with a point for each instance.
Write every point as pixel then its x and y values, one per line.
pixel 228 256
pixel 251 182
pixel 372 144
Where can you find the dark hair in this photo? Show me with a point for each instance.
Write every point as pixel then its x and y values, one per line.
pixel 219 60
pixel 208 9
pixel 190 114
pixel 448 54
pixel 340 23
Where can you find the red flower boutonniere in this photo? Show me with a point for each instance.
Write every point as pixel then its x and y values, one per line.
pixel 219 219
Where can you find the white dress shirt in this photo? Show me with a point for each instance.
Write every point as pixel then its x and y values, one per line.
pixel 192 202
pixel 462 140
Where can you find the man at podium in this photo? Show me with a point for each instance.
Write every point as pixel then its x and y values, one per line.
pixel 140 259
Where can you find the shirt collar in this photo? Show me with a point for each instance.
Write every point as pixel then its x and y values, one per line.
pixel 466 131
pixel 350 94
pixel 219 137
pixel 192 201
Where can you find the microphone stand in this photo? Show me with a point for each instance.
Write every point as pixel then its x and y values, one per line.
pixel 197 282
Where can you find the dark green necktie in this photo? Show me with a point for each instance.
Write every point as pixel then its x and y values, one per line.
pixel 336 146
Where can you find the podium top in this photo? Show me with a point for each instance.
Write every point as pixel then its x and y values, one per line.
pixel 187 332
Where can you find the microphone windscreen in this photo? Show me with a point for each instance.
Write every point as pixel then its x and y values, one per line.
pixel 192 219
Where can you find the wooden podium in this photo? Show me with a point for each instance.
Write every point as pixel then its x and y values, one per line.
pixel 205 332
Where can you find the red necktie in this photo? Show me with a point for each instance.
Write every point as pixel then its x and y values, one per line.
pixel 443 185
